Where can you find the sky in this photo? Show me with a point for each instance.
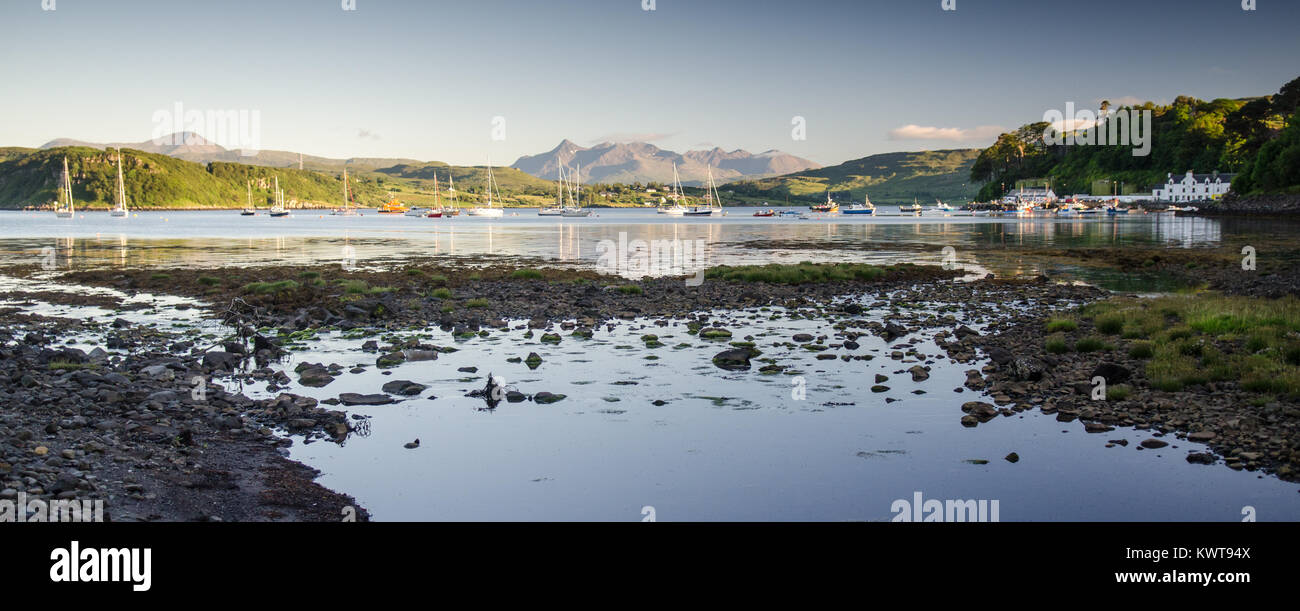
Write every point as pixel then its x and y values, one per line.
pixel 477 81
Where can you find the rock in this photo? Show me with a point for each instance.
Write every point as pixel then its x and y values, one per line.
pixel 514 396
pixel 1152 444
pixel 351 398
pixel 851 345
pixel 715 333
pixel 159 372
pixel 1028 369
pixel 1000 356
pixel 392 359
pixel 802 338
pixel 894 330
pixel 1202 436
pixel 41 450
pixel 315 377
pixel 1097 427
pixel 370 346
pixel 404 387
pixel 222 360
pixel 979 409
pixel 533 360
pixel 919 373
pixel 969 421
pixel 878 388
pixel 546 398
pixel 880 377
pixel 963 332
pixel 733 360
pixel 420 355
pixel 467 369
pixel 1200 458
pixel 1012 458
pixel 1112 372
pixel 550 338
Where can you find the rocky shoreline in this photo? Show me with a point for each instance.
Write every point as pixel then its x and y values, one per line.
pixel 139 423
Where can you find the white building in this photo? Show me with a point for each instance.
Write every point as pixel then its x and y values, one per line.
pixel 1194 188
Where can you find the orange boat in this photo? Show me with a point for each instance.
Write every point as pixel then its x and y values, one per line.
pixel 393 207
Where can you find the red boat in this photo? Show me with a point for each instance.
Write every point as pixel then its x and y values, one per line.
pixel 765 213
pixel 433 214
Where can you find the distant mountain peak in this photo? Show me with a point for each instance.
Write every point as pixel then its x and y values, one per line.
pixel 627 162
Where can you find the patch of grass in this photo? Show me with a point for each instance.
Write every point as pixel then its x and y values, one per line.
pixel 309 276
pixel 630 289
pixel 476 303
pixel 526 274
pixel 1110 324
pixel 1118 392
pixel 360 287
pixel 443 293
pixel 800 273
pixel 1061 324
pixel 160 277
pixel 209 281
pixel 415 273
pixel 269 288
pixel 448 309
pixel 1092 344
pixel 1141 350
pixel 1056 344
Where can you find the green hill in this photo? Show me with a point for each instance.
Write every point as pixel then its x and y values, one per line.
pixel 886 178
pixel 29 178
pixel 469 179
pixel 1248 136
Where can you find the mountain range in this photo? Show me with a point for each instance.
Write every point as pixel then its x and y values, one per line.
pixel 885 178
pixel 629 162
pixel 193 147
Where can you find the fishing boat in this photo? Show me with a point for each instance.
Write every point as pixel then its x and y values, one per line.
pixel 866 207
pixel 393 207
pixel 417 211
pixel 278 209
pixel 942 207
pixel 63 207
pixel 347 209
pixel 489 210
pixel 119 196
pixel 913 209
pixel 830 207
pixel 768 212
pixel 790 213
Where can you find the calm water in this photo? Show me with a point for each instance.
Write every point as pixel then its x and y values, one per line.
pixel 167 239
pixel 725 445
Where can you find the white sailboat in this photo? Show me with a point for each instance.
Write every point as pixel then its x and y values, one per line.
pixel 558 208
pixel 489 211
pixel 576 211
pixel 278 209
pixel 347 209
pixel 119 196
pixel 676 209
pixel 63 207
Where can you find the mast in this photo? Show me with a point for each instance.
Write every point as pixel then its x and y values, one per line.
pixel 249 182
pixel 66 187
pixel 121 186
pixel 451 188
pixel 437 203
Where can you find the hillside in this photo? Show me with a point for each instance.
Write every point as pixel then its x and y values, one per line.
pixel 193 147
pixel 886 178
pixel 639 162
pixel 159 181
pixel 1248 136
pixel 469 179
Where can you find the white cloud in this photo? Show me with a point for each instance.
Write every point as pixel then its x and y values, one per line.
pixel 955 134
pixel 366 134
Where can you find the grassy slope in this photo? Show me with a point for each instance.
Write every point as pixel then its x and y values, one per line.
pixel 159 181
pixel 887 178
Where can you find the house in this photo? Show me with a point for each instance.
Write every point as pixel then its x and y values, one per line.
pixel 1194 187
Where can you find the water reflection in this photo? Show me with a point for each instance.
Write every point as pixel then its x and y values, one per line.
pixel 206 239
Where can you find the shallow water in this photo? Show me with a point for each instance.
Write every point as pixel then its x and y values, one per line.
pixel 734 445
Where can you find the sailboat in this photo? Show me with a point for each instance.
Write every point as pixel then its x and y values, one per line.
pixel 558 208
pixel 347 209
pixel 63 207
pixel 489 210
pixel 249 210
pixel 451 209
pixel 855 208
pixel 710 196
pixel 576 211
pixel 278 209
pixel 436 211
pixel 119 196
pixel 676 209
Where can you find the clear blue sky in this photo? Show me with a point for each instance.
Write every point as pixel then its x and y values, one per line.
pixel 423 79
